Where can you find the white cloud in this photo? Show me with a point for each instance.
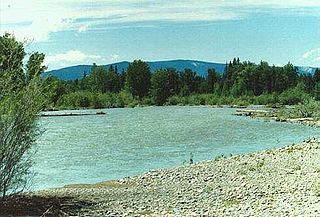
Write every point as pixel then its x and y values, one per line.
pixel 114 57
pixel 71 57
pixel 74 57
pixel 36 19
pixel 83 28
pixel 312 55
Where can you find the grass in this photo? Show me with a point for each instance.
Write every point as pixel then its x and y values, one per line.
pixel 257 166
pixel 231 202
pixel 317 189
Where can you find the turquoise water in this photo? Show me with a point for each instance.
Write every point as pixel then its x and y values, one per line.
pixel 126 142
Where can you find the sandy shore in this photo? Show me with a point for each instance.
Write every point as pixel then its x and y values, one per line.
pixel 277 182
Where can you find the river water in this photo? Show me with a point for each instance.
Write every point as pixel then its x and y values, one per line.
pixel 126 142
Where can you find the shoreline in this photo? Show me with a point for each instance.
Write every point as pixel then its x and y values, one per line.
pixel 271 114
pixel 238 185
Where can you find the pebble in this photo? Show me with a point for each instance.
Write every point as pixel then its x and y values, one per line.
pixel 218 187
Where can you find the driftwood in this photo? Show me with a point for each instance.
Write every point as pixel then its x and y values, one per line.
pixel 72 114
pixel 247 112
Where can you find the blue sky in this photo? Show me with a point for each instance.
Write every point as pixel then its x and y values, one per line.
pixel 75 32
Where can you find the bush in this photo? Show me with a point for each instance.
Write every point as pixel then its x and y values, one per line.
pixel 20 102
pixel 293 96
pixel 86 99
pixel 173 100
pixel 266 99
pixel 308 109
pixel 18 133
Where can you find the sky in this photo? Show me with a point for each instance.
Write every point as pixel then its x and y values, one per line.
pixel 73 32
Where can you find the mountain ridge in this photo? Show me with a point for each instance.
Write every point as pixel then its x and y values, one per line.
pixel 201 67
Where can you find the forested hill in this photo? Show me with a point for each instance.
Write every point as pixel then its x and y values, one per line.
pixel 76 72
pixel 200 67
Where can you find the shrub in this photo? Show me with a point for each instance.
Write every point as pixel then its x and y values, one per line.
pixel 173 100
pixel 308 109
pixel 293 96
pixel 20 102
pixel 18 133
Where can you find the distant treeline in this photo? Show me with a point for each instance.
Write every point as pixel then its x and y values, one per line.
pixel 241 83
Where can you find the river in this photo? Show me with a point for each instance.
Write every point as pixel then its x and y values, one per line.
pixel 126 142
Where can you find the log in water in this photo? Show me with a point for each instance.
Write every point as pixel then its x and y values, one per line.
pixel 72 114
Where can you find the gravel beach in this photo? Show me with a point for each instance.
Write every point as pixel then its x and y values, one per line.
pixel 278 182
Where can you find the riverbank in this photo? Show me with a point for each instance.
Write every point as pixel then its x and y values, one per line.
pixel 274 114
pixel 277 182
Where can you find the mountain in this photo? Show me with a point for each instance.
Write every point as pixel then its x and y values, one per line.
pixel 201 67
pixel 77 72
pixel 305 70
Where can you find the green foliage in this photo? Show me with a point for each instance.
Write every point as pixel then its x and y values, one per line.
pixel 241 84
pixel 87 99
pixel 11 63
pixel 294 95
pixel 212 80
pixel 266 99
pixel 18 133
pixel 164 83
pixel 54 90
pixel 34 65
pixel 317 91
pixel 308 109
pixel 138 78
pixel 20 102
pixel 103 80
pixel 11 53
pixel 190 81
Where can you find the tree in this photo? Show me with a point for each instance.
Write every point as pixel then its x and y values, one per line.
pixel 164 83
pixel 316 76
pixel 98 79
pixel 34 65
pixel 212 79
pixel 103 80
pixel 54 89
pixel 190 81
pixel 138 78
pixel 18 133
pixel 11 63
pixel 317 91
pixel 291 75
pixel 113 82
pixel 19 108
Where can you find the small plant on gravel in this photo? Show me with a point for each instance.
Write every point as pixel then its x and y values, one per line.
pixel 317 189
pixel 297 167
pixel 257 166
pixel 242 172
pixel 231 202
pixel 219 157
pixel 260 164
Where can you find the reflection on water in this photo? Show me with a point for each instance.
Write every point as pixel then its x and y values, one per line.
pixel 125 142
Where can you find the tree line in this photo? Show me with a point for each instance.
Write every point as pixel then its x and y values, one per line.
pixel 240 81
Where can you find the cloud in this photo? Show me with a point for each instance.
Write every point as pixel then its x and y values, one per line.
pixel 312 55
pixel 114 57
pixel 41 18
pixel 83 28
pixel 71 57
pixel 74 57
